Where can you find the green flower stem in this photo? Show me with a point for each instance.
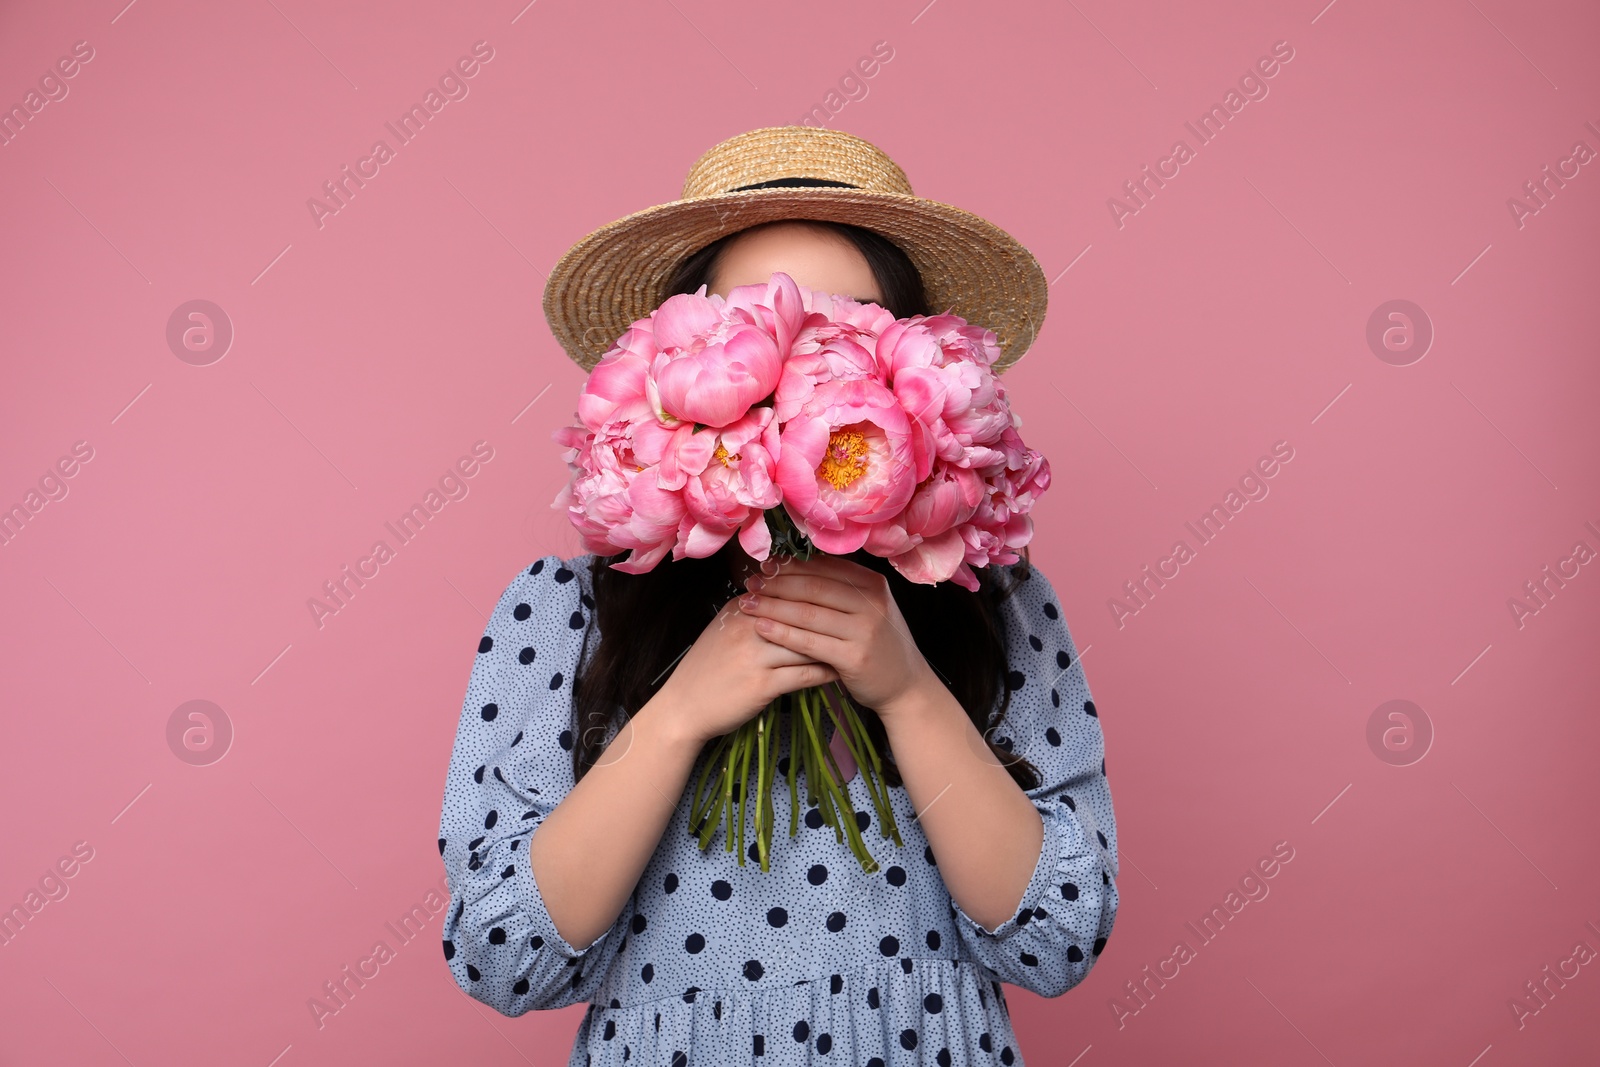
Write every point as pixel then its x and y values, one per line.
pixel 727 788
pixel 744 788
pixel 722 790
pixel 807 754
pixel 855 740
pixel 794 760
pixel 736 802
pixel 698 807
pixel 874 775
pixel 711 819
pixel 890 827
pixel 852 740
pixel 705 815
pixel 770 773
pixel 772 766
pixel 731 756
pixel 772 807
pixel 761 783
pixel 816 780
pixel 842 790
pixel 832 785
pixel 871 772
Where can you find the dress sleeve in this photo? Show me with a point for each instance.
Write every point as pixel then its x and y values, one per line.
pixel 1067 910
pixel 510 767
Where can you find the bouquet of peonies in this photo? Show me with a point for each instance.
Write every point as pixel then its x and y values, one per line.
pixel 800 422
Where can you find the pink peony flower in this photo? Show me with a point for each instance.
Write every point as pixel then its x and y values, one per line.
pixel 777 305
pixel 841 313
pixel 713 360
pixel 728 486
pixel 870 432
pixel 943 378
pixel 614 498
pixel 613 501
pixel 1001 523
pixel 845 462
pixel 937 559
pixel 619 376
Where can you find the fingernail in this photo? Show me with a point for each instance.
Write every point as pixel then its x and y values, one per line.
pixel 753 582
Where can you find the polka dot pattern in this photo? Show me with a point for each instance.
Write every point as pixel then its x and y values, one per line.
pixel 710 962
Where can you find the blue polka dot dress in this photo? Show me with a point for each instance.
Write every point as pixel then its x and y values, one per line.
pixel 811 961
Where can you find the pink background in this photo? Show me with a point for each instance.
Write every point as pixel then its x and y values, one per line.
pixel 1229 313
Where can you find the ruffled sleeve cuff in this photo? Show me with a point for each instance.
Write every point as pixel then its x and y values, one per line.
pixel 1066 858
pixel 542 927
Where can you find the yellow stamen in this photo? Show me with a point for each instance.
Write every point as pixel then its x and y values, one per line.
pixel 723 454
pixel 846 458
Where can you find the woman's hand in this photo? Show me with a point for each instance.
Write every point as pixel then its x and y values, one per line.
pixel 838 612
pixel 730 673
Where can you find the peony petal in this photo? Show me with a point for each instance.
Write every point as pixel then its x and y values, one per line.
pixel 755 537
pixel 839 542
pixel 935 559
pixel 683 318
pixel 706 540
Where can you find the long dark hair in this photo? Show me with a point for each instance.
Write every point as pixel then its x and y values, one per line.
pixel 646 621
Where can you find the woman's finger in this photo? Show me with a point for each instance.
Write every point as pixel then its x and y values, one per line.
pixel 840 591
pixel 801 614
pixel 804 675
pixel 776 656
pixel 806 642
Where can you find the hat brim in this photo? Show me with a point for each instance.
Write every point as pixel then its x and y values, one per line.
pixel 970 267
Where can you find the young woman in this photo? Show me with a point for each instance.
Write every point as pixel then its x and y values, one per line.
pixel 565 829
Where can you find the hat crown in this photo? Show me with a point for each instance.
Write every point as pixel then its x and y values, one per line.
pixel 621 272
pixel 776 152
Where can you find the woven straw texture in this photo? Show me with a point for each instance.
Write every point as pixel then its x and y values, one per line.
pixel 617 274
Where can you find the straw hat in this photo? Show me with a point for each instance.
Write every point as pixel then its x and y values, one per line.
pixel 969 266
